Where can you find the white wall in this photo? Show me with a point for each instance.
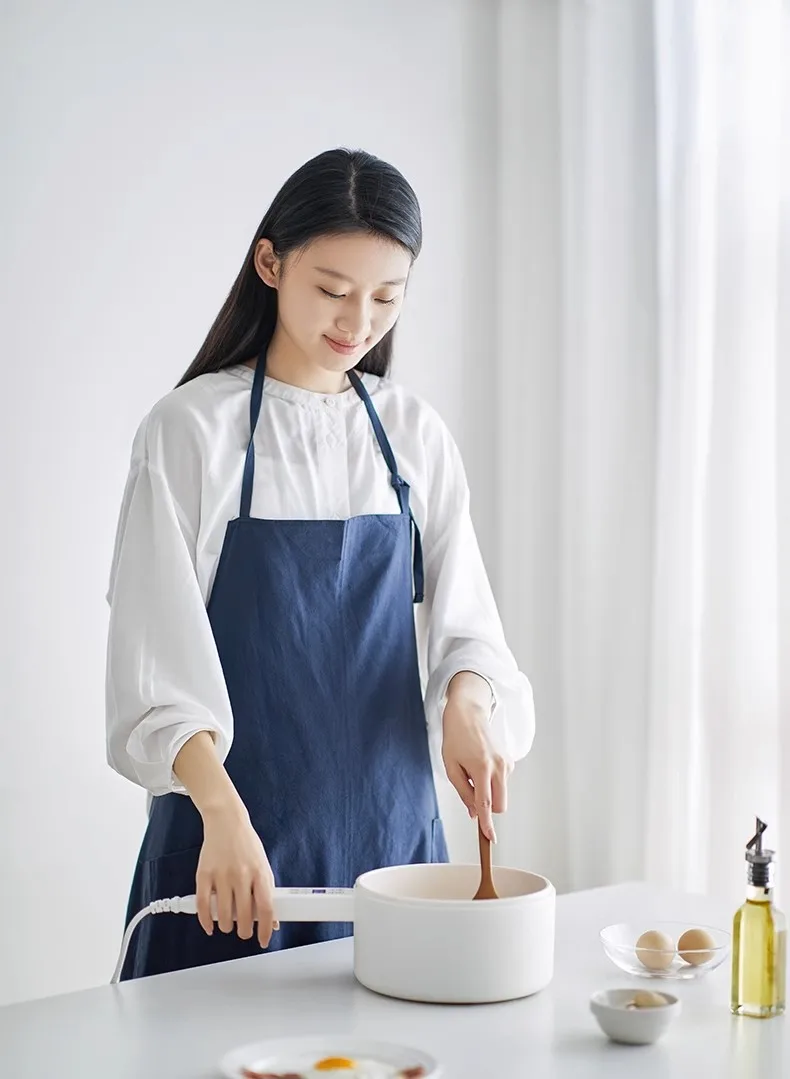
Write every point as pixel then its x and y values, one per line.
pixel 144 143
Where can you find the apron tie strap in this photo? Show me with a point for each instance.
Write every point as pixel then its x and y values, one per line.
pixel 419 571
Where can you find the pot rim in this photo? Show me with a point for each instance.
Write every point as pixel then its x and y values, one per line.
pixel 547 891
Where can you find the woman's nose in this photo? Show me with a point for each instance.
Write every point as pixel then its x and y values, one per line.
pixel 354 323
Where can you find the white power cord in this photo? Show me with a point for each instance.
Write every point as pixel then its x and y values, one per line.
pixel 186 904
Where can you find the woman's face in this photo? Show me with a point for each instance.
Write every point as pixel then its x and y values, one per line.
pixel 336 298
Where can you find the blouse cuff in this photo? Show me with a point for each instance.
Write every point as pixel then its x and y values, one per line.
pixel 512 718
pixel 470 670
pixel 152 750
pixel 439 681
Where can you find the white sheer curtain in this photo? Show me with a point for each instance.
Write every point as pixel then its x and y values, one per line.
pixel 645 472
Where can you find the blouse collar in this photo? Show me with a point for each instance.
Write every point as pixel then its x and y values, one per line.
pixel 272 387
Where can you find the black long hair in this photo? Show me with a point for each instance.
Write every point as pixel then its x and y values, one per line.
pixel 339 191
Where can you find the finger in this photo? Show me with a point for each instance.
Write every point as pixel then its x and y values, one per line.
pixel 483 801
pixel 203 889
pixel 460 780
pixel 264 910
pixel 242 898
pixel 499 786
pixel 224 905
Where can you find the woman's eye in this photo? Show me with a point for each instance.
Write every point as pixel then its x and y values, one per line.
pixel 341 296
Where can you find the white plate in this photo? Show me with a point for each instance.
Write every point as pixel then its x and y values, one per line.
pixel 300 1054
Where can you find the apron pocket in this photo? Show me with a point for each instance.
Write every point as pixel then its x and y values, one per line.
pixel 170 875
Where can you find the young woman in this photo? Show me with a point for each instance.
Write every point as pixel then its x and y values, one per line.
pixel 288 512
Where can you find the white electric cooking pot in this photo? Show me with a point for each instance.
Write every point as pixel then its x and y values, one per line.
pixel 419 935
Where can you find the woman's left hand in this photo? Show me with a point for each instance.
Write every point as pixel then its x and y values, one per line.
pixel 474 767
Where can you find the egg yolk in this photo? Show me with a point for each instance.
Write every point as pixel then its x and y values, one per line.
pixel 335 1064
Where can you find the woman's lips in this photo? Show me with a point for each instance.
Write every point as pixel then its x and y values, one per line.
pixel 338 346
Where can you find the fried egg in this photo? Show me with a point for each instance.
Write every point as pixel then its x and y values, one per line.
pixel 339 1067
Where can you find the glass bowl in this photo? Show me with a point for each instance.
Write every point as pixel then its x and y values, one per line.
pixel 619 943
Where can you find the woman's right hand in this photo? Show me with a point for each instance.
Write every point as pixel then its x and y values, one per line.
pixel 233 866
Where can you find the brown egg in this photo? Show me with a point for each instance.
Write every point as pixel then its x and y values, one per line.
pixel 655 950
pixel 696 946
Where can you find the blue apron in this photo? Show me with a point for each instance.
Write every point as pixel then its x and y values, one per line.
pixel 314 626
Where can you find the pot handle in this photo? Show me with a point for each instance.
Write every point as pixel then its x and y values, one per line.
pixel 290 905
pixel 314 904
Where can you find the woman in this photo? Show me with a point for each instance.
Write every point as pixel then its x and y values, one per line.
pixel 288 510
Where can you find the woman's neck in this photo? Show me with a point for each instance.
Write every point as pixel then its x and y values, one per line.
pixel 286 364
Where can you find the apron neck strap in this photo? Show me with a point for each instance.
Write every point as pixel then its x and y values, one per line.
pixel 400 485
pixel 256 397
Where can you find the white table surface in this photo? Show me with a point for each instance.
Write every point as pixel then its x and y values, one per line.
pixel 177 1026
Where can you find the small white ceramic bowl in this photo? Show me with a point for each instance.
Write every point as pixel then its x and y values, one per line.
pixel 619 943
pixel 632 1026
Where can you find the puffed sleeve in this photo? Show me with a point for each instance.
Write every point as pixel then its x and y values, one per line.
pixel 464 628
pixel 164 680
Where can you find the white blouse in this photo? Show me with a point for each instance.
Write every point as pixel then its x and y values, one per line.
pixel 316 457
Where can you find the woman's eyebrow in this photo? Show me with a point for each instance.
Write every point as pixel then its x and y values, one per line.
pixel 342 277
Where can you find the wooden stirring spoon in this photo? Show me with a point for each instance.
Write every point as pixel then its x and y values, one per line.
pixel 486 889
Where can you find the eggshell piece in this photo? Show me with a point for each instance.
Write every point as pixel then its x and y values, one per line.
pixel 644 998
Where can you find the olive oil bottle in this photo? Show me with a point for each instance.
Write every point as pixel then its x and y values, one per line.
pixel 759 940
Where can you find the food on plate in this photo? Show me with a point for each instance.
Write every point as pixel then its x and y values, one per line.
pixel 248 1073
pixel 696 946
pixel 655 950
pixel 341 1066
pixel 644 998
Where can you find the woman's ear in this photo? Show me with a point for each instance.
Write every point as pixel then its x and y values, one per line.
pixel 267 264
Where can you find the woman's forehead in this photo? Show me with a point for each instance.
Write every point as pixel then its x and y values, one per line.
pixel 357 258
